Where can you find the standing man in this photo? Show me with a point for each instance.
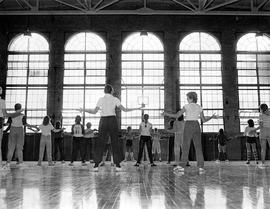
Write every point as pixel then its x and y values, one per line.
pixel 108 125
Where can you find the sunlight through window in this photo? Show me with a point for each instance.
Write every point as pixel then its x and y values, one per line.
pixel 84 77
pixel 200 71
pixel 142 78
pixel 253 61
pixel 27 78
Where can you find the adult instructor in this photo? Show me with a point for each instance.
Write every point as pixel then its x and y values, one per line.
pixel 108 125
pixel 3 113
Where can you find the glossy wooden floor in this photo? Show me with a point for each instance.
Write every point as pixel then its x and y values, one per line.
pixel 225 185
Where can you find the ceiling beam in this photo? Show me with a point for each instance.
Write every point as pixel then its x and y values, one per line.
pixel 107 5
pixel 28 4
pixel 97 4
pixel 71 5
pixel 134 12
pixel 260 6
pixel 183 5
pixel 20 4
pixel 222 5
pixel 193 5
pixel 83 4
pixel 208 4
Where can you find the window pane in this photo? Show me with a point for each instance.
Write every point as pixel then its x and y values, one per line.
pixel 84 76
pixel 200 72
pixel 253 75
pixel 28 64
pixel 142 79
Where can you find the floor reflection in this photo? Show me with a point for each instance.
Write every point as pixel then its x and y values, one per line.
pixel 232 185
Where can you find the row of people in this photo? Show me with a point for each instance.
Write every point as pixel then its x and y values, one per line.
pixel 108 128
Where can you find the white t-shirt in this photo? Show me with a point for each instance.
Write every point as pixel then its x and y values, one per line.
pixel 77 130
pixel 192 112
pixel 17 121
pixel 156 136
pixel 107 104
pixel 145 129
pixel 250 132
pixel 89 133
pixel 2 107
pixel 46 130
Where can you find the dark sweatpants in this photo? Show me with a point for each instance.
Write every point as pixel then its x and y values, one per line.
pixel 59 146
pixel 145 140
pixel 108 126
pixel 78 144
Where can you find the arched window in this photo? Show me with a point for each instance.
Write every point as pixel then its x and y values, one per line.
pixel 200 71
pixel 253 62
pixel 84 77
pixel 27 78
pixel 142 78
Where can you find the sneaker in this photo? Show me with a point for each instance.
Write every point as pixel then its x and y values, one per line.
pixel 102 164
pixel 160 160
pixel 39 164
pixel 179 168
pixel 227 161
pixel 201 170
pixel 70 164
pixel 118 169
pixel 187 164
pixel 248 162
pixel 84 164
pixel 137 165
pixel 5 167
pixel 91 161
pixel 21 165
pixel 217 161
pixel 153 165
pixel 51 164
pixel 261 166
pixel 95 169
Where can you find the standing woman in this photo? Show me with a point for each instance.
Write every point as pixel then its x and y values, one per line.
pixel 193 112
pixel 264 120
pixel 3 113
pixel 108 125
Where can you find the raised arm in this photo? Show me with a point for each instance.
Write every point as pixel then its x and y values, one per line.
pixel 206 118
pixel 121 107
pixel 12 115
pixel 176 115
pixel 91 111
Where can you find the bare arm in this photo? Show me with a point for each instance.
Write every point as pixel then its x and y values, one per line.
pixel 130 109
pixel 176 115
pixel 12 115
pixel 32 127
pixel 91 111
pixel 206 118
pixel 140 130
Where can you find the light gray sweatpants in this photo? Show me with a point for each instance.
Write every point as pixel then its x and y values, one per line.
pixel 192 131
pixel 15 141
pixel 45 141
